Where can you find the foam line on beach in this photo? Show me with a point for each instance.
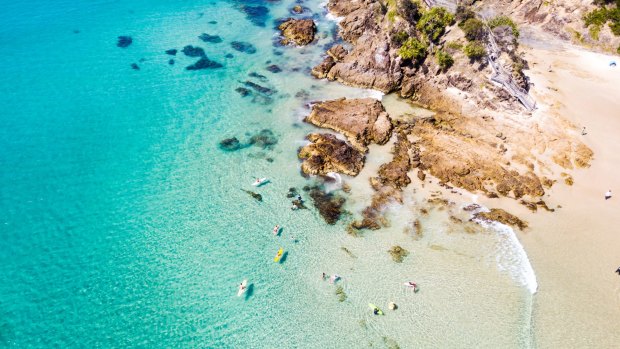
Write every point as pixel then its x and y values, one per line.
pixel 510 254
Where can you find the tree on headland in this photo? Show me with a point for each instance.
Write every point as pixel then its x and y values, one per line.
pixel 433 23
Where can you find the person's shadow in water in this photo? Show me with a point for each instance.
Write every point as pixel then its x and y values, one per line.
pixel 249 292
pixel 284 256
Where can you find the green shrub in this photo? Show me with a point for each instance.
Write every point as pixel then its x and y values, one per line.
pixel 391 15
pixel 504 20
pixel 474 29
pixel 598 17
pixel 433 23
pixel 475 50
pixel 400 37
pixel 454 45
pixel 413 49
pixel 444 60
pixel 595 17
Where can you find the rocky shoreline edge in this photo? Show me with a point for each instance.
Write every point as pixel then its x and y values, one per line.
pixel 480 139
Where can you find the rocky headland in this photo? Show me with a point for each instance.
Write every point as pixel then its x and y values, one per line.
pixel 481 138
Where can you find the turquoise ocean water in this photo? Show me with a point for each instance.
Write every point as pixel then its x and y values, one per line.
pixel 123 224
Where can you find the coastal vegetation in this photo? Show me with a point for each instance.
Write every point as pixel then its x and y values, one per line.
pixel 413 49
pixel 433 23
pixel 504 21
pixel 444 59
pixel 608 12
pixel 473 29
pixel 475 50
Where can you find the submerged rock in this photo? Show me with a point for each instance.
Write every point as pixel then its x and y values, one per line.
pixel 257 76
pixel 258 88
pixel 256 14
pixel 265 139
pixel 398 253
pixel 171 61
pixel 230 144
pixel 245 47
pixel 499 215
pixel 297 9
pixel 214 39
pixel 363 121
pixel 292 193
pixel 193 51
pixel 243 91
pixel 329 204
pixel 328 154
pixel 204 63
pixel 134 66
pixel 297 31
pixel 172 52
pixel 124 41
pixel 256 196
pixel 274 69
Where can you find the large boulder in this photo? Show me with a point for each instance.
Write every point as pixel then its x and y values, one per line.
pixel 297 31
pixel 362 121
pixel 327 154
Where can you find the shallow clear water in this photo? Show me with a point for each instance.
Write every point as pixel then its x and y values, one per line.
pixel 122 223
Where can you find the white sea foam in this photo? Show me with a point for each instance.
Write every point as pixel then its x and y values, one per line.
pixel 336 184
pixel 331 17
pixel 378 95
pixel 510 254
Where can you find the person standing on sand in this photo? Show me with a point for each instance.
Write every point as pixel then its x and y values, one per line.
pixel 618 270
pixel 583 132
pixel 608 195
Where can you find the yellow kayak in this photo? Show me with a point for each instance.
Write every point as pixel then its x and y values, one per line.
pixel 278 255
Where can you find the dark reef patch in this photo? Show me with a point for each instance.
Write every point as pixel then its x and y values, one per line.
pixel 274 69
pixel 124 41
pixel 194 51
pixel 204 63
pixel 214 39
pixel 256 14
pixel 243 91
pixel 171 61
pixel 172 52
pixel 260 89
pixel 242 46
pixel 230 144
pixel 329 204
pixel 257 76
pixel 135 66
pixel 265 139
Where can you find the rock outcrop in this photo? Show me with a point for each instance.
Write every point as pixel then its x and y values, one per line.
pixel 297 31
pixel 362 121
pixel 499 215
pixel 327 154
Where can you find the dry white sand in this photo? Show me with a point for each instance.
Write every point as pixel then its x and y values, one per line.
pixel 576 249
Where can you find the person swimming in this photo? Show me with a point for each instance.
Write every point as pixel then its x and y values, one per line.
pixel 276 229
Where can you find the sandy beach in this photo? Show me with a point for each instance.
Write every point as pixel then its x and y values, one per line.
pixel 574 250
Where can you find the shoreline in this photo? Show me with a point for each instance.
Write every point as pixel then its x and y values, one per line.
pixel 548 230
